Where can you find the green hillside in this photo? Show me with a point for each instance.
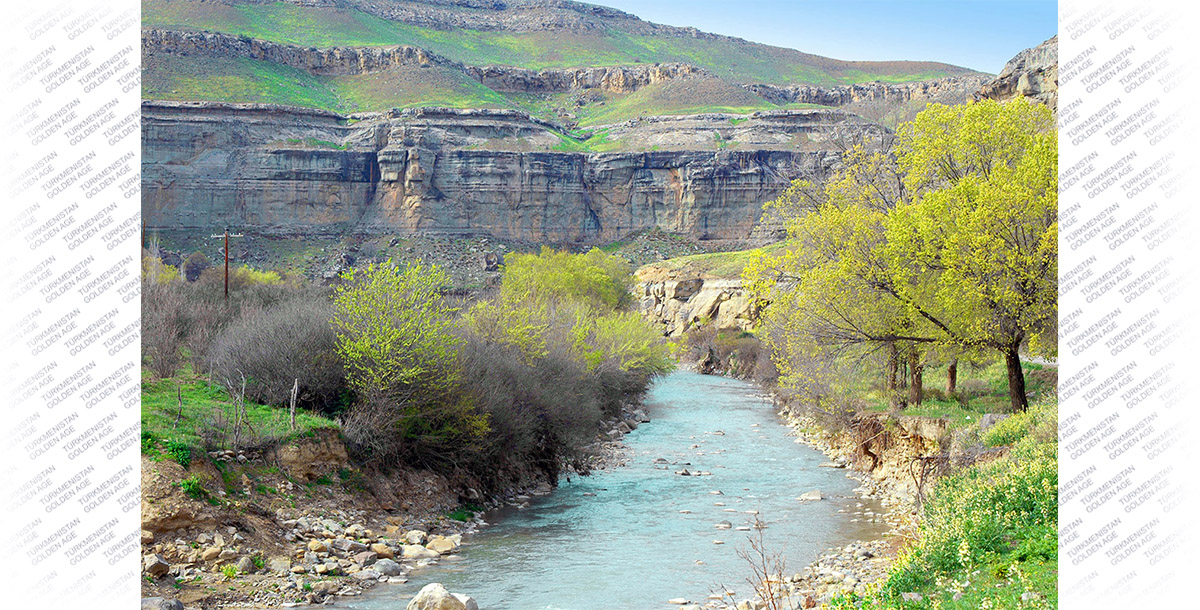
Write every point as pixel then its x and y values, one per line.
pixel 739 61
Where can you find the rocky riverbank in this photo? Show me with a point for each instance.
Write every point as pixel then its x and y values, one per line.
pixel 844 569
pixel 284 534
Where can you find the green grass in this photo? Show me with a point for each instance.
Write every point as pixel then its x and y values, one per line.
pixel 980 391
pixel 325 26
pixel 727 265
pixel 988 533
pixel 201 403
pixel 244 80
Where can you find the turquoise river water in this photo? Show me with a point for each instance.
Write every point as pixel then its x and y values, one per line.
pixel 633 537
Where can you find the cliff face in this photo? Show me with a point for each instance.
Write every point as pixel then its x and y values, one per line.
pixel 284 171
pixel 949 90
pixel 1033 73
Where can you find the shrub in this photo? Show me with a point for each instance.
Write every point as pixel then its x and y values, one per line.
pixel 179 451
pixel 595 279
pixel 540 413
pixel 279 345
pixel 193 488
pixel 194 266
pixel 163 327
pixel 393 330
pixel 393 336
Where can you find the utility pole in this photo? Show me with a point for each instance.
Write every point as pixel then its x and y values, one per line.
pixel 226 235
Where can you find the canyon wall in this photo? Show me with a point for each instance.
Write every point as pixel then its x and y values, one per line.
pixel 287 171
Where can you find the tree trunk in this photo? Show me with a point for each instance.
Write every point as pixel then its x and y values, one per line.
pixel 891 369
pixel 916 385
pixel 1016 380
pixel 952 378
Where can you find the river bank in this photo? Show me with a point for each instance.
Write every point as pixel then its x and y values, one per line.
pixel 715 461
pixel 250 545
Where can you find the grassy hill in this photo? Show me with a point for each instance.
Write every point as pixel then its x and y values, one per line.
pixel 738 60
pixel 606 38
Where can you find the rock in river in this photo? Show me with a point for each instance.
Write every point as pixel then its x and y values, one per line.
pixel 435 597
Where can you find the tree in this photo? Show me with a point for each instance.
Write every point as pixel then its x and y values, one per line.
pixel 594 279
pixel 949 241
pixel 977 254
pixel 395 340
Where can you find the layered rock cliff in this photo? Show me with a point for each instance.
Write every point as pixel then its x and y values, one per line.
pixel 1033 73
pixel 949 90
pixel 286 171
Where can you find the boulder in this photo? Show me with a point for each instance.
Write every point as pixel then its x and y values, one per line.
pixel 161 603
pixel 318 546
pixel 434 596
pixel 245 565
pixel 279 564
pixel 467 601
pixel 414 551
pixel 155 565
pixel 210 553
pixel 387 567
pixel 810 496
pixel 415 536
pixel 367 574
pixel 441 545
pixel 365 558
pixel 382 551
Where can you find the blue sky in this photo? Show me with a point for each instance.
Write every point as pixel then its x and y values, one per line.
pixel 977 34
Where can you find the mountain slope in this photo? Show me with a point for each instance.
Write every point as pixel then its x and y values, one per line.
pixel 531 34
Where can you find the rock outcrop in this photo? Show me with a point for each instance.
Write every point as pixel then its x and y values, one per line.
pixel 345 60
pixel 325 61
pixel 1033 73
pixel 284 171
pixel 679 304
pixel 949 90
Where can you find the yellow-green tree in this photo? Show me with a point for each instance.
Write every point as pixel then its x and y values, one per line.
pixel 977 254
pixel 948 241
pixel 395 340
pixel 594 279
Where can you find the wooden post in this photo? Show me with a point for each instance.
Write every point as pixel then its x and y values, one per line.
pixel 292 408
pixel 226 237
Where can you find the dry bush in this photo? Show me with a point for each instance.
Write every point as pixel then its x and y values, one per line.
pixel 163 327
pixel 275 346
pixel 540 413
pixel 195 265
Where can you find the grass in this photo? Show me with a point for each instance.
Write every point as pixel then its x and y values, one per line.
pixel 201 403
pixel 980 390
pixel 464 513
pixel 727 265
pixel 988 535
pixel 245 80
pixel 738 61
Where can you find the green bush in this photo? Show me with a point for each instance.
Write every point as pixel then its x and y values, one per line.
pixel 193 488
pixel 394 337
pixel 179 451
pixel 595 279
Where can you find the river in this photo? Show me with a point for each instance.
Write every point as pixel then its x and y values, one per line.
pixel 634 537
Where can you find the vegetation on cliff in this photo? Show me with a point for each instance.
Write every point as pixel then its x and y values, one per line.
pixel 614 43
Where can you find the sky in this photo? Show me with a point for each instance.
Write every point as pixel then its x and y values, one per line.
pixel 978 34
